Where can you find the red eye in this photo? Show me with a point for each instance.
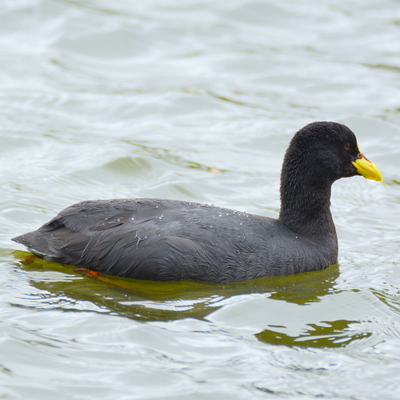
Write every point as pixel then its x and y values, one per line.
pixel 347 146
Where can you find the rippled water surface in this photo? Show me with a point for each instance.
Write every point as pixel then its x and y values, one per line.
pixel 196 100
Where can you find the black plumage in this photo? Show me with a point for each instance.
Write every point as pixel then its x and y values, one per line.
pixel 171 240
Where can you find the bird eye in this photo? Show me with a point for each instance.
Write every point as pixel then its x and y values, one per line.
pixel 347 146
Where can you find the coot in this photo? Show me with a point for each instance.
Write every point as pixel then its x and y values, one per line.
pixel 170 240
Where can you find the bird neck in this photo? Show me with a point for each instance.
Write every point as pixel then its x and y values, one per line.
pixel 305 205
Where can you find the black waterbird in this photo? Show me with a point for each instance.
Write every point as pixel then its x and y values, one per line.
pixel 170 240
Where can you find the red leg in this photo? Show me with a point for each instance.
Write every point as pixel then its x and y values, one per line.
pixel 95 275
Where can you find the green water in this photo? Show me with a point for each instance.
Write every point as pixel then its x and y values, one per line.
pixel 196 101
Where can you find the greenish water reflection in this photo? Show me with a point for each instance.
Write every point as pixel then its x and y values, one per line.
pixel 167 301
pixel 333 334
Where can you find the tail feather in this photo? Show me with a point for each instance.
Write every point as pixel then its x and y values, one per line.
pixel 36 245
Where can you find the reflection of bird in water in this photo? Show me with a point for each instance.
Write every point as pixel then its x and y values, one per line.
pixel 150 300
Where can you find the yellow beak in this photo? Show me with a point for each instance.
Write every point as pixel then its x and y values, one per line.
pixel 367 168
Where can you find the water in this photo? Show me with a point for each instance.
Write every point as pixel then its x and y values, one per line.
pixel 196 100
